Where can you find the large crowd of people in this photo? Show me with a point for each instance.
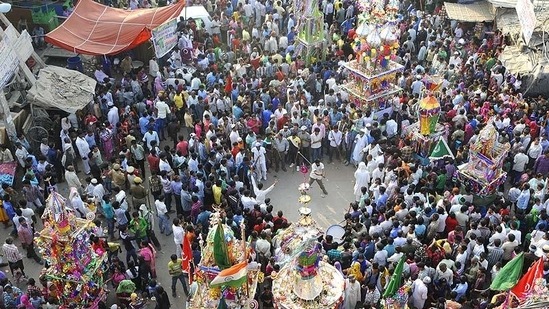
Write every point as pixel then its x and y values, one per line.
pixel 164 146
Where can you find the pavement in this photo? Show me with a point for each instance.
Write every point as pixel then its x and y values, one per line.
pixel 327 211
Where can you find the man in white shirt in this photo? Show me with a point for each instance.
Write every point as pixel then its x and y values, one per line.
pixel 162 213
pixel 335 137
pixel 113 116
pixel 316 144
pixel 248 202
pixel 317 174
pixel 98 191
pixel 261 194
pixel 519 164
pixel 280 112
pixel 21 153
pixel 149 137
pixel 178 234
pixel 391 127
pixel 162 112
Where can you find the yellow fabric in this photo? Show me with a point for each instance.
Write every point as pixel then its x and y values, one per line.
pixel 178 101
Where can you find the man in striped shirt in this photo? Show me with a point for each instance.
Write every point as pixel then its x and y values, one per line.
pixel 11 253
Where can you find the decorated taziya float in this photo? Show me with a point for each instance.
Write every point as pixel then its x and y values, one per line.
pixel 427 135
pixel 76 264
pixel 305 281
pixel 224 274
pixel 484 173
pixel 372 73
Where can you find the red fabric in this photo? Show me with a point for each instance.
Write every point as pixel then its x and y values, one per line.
pixel 96 29
pixel 187 257
pixel 527 282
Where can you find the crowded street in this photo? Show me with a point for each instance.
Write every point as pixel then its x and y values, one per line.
pixel 251 154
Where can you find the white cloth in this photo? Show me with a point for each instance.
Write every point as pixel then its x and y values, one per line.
pixel 361 142
pixel 362 179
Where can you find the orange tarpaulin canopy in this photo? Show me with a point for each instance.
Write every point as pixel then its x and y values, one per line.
pixel 96 29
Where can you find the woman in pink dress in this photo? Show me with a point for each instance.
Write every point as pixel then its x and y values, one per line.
pixel 107 142
pixel 149 254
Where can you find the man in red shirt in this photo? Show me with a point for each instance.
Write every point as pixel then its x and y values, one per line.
pixel 182 146
pixel 154 162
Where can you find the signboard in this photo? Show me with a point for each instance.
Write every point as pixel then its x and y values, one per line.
pixel 164 37
pixel 527 18
pixel 22 44
pixel 9 62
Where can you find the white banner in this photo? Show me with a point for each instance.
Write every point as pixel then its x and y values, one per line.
pixel 22 44
pixel 527 18
pixel 9 62
pixel 164 37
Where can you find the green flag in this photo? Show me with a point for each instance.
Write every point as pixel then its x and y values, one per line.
pixel 441 151
pixel 222 303
pixel 221 254
pixel 396 278
pixel 508 276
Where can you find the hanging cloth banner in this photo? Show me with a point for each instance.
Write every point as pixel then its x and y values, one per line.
pixel 164 37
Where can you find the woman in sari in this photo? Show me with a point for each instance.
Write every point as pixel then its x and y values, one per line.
pixel 107 142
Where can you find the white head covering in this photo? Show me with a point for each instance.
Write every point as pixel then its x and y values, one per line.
pixel 362 166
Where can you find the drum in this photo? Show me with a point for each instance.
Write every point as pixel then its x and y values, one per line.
pixel 337 232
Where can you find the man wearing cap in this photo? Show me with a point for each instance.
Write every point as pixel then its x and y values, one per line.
pixel 260 163
pixel 234 135
pixel 118 176
pixel 352 293
pixel 138 192
pixel 280 145
pixel 420 291
pixel 305 138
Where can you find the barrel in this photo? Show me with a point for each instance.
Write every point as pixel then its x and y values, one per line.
pixel 75 63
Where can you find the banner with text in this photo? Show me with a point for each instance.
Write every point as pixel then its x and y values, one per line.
pixel 164 37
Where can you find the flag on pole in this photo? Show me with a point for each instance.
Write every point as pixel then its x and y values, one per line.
pixel 221 253
pixel 187 257
pixel 234 276
pixel 441 151
pixel 527 282
pixel 396 278
pixel 508 276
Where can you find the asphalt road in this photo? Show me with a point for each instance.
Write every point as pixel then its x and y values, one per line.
pixel 326 211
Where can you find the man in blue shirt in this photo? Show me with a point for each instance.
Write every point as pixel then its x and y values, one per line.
pixel 144 123
pixel 524 198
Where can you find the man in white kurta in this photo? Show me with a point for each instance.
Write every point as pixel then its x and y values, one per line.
pixel 420 290
pixel 260 163
pixel 352 293
pixel 361 140
pixel 362 179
